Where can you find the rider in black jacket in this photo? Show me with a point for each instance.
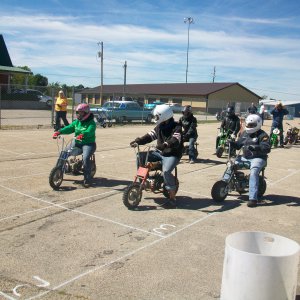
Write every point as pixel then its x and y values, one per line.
pixel 189 126
pixel 231 123
pixel 256 146
pixel 168 134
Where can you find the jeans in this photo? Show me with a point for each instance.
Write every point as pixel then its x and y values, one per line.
pixel 168 165
pixel 60 115
pixel 87 151
pixel 262 116
pixel 256 165
pixel 192 142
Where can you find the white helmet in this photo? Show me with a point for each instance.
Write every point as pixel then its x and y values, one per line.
pixel 253 123
pixel 162 113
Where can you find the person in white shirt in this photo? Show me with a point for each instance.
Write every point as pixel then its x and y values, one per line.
pixel 262 112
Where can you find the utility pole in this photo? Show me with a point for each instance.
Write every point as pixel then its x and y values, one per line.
pixel 125 70
pixel 100 54
pixel 214 74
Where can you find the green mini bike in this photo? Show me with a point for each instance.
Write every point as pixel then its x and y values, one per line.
pixel 222 146
pixel 274 140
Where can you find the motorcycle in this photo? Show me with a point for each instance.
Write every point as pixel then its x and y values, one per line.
pixel 224 138
pixel 148 178
pixel 234 179
pixel 69 162
pixel 292 135
pixel 274 140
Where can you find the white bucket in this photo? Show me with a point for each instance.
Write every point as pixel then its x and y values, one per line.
pixel 259 266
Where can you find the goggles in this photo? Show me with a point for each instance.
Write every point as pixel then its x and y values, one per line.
pixel 251 125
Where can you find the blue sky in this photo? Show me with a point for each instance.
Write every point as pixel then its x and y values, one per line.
pixel 255 43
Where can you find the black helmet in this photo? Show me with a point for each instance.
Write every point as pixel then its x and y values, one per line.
pixel 187 110
pixel 230 111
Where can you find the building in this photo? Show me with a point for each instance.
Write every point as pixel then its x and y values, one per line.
pixel 7 70
pixel 207 97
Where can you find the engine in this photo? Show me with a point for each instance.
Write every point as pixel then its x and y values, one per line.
pixel 241 181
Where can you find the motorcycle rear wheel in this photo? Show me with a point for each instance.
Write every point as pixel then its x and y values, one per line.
pixel 262 186
pixel 56 177
pixel 219 191
pixel 132 195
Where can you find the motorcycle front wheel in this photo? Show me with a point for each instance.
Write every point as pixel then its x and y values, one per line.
pixel 219 152
pixel 219 191
pixel 132 195
pixel 262 186
pixel 56 177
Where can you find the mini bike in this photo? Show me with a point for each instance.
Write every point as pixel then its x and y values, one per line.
pixel 69 162
pixel 222 147
pixel 292 135
pixel 148 178
pixel 234 179
pixel 274 140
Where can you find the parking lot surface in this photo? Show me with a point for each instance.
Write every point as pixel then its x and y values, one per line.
pixel 79 243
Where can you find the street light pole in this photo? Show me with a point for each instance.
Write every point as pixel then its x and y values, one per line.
pixel 190 21
pixel 100 54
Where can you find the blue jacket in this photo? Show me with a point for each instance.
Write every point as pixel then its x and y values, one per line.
pixel 278 115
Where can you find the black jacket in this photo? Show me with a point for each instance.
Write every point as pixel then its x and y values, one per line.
pixel 232 123
pixel 259 140
pixel 189 126
pixel 170 133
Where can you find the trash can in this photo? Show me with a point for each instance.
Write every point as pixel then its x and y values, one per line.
pixel 259 266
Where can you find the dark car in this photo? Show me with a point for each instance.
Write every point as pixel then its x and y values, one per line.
pixel 35 95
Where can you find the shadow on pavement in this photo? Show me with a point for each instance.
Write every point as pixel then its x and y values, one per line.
pixel 280 200
pixel 105 182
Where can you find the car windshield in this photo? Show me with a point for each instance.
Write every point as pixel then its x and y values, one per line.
pixel 111 105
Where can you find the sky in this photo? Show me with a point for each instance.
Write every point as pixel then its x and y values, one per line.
pixel 255 43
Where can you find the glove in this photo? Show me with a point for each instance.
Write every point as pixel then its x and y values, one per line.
pixel 135 142
pixel 233 136
pixel 79 137
pixel 165 145
pixel 55 134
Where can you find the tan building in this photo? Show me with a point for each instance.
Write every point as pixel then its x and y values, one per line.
pixel 209 97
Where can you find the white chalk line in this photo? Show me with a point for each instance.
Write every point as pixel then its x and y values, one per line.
pixel 121 258
pixel 80 212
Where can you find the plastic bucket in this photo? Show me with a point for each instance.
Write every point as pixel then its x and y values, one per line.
pixel 259 266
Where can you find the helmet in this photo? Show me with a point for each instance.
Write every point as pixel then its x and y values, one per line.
pixel 253 123
pixel 162 113
pixel 230 111
pixel 187 110
pixel 83 111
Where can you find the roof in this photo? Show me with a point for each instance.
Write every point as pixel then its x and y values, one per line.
pixel 4 57
pixel 4 69
pixel 202 89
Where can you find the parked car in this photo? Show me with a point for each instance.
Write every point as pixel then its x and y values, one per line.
pixel 176 107
pixel 35 95
pixel 153 104
pixel 122 111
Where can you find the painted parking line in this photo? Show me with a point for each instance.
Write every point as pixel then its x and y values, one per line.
pixel 80 212
pixel 162 238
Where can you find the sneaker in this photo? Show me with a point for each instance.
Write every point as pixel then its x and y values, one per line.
pixel 192 161
pixel 252 203
pixel 281 146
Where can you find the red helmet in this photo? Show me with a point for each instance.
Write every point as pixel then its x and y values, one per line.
pixel 83 111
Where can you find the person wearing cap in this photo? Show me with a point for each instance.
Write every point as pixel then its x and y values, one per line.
pixel 278 113
pixel 168 135
pixel 61 110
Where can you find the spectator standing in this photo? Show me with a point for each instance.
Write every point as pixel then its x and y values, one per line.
pixel 61 110
pixel 252 109
pixel 278 113
pixel 262 112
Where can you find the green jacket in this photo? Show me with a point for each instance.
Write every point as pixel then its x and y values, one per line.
pixel 86 127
